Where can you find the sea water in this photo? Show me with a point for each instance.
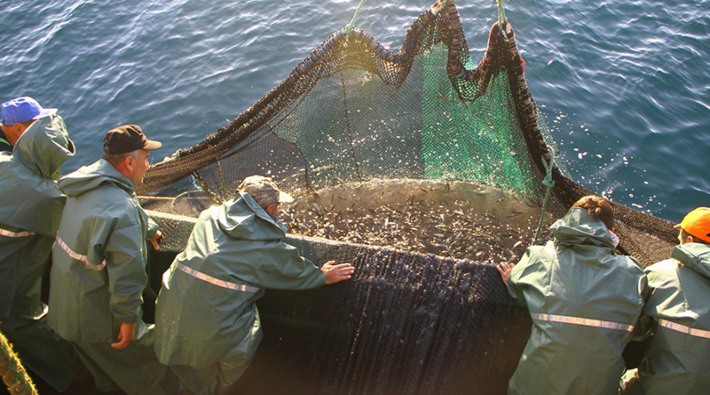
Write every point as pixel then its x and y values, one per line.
pixel 624 86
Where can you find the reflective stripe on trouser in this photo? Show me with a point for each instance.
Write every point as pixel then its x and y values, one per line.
pixel 582 321
pixel 215 281
pixel 9 233
pixel 684 329
pixel 79 257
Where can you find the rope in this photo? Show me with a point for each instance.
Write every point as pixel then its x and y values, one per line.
pixel 501 14
pixel 548 182
pixel 221 180
pixel 200 182
pixel 13 373
pixel 349 27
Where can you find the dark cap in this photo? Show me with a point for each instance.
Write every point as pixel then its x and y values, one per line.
pixel 127 138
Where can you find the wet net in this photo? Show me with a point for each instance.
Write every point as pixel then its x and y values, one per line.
pixel 423 171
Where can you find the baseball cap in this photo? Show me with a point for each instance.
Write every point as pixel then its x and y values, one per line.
pixel 127 138
pixel 697 223
pixel 23 109
pixel 264 191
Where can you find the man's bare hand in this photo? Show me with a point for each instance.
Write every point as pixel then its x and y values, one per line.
pixel 504 269
pixel 155 239
pixel 337 273
pixel 125 335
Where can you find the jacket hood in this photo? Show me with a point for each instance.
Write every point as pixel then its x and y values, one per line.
pixel 243 218
pixel 93 176
pixel 579 227
pixel 44 147
pixel 695 256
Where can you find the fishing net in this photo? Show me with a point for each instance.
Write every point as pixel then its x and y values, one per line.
pixel 423 171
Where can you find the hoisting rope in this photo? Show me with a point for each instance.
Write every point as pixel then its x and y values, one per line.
pixel 549 183
pixel 346 30
pixel 13 373
pixel 501 14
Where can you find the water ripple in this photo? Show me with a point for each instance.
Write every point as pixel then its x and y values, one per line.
pixel 625 85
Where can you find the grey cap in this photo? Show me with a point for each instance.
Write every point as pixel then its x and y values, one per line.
pixel 264 191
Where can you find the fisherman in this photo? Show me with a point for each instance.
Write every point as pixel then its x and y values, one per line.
pixel 584 302
pixel 29 217
pixel 207 323
pixel 17 115
pixel 677 314
pixel 98 273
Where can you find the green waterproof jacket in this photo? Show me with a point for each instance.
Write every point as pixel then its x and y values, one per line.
pixel 98 261
pixel 584 302
pixel 205 310
pixel 678 312
pixel 29 213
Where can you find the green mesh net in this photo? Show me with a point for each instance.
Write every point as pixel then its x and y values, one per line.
pixel 353 113
pixel 353 110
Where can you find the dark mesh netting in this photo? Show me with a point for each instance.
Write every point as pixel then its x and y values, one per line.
pixel 421 170
pixel 406 323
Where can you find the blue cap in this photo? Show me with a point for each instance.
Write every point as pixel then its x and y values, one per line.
pixel 23 109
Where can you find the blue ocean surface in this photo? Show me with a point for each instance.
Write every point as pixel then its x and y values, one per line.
pixel 624 86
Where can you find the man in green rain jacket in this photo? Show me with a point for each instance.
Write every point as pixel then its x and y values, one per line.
pixel 584 302
pixel 207 323
pixel 98 273
pixel 678 314
pixel 29 217
pixel 17 115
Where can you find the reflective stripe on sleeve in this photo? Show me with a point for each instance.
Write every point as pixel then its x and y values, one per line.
pixel 8 233
pixel 79 257
pixel 582 321
pixel 684 329
pixel 215 281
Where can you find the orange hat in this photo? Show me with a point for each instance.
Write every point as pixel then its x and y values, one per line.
pixel 697 223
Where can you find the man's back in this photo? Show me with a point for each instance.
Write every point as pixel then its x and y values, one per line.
pixel 29 216
pixel 29 188
pixel 679 305
pixel 584 302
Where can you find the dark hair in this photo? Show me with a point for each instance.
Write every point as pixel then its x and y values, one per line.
pixel 598 208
